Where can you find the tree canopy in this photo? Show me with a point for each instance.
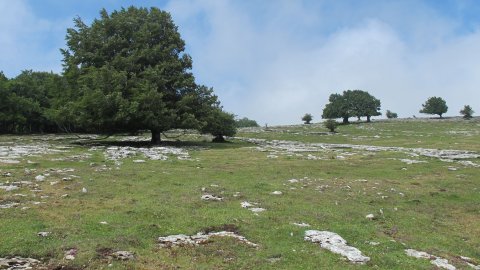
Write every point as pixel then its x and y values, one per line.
pixel 245 122
pixel 307 118
pixel 434 105
pixel 352 103
pixel 467 112
pixel 127 71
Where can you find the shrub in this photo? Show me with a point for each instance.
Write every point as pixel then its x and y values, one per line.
pixel 330 124
pixel 307 118
pixel 391 114
pixel 467 112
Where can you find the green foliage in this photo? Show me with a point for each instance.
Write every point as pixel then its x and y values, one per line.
pixel 128 72
pixel 467 112
pixel 337 107
pixel 330 124
pixel 391 114
pixel 245 122
pixel 26 100
pixel 307 118
pixel 219 124
pixel 352 103
pixel 434 105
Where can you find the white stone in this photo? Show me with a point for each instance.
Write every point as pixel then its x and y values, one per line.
pixel 257 209
pixel 43 234
pixel 199 238
pixel 336 244
pixel 443 263
pixel 418 254
pixel 84 190
pixel 123 255
pixel 40 178
pixel 138 161
pixel 301 224
pixel 370 216
pixel 276 193
pixel 209 197
pixel 246 204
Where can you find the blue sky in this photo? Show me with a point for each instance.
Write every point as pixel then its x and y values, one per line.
pixel 275 60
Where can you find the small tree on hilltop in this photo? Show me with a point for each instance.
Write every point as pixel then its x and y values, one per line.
pixel 391 114
pixel 307 118
pixel 330 124
pixel 219 124
pixel 434 105
pixel 467 112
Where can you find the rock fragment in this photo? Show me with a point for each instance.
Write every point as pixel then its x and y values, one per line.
pixel 336 244
pixel 43 234
pixel 123 255
pixel 198 239
pixel 18 263
pixel 209 197
pixel 437 261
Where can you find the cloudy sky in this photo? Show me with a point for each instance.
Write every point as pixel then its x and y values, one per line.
pixel 275 60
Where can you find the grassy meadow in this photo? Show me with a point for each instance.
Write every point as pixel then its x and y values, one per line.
pixel 431 206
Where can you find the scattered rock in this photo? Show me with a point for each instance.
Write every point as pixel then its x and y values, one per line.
pixel 9 188
pixel 442 263
pixel 276 193
pixel 8 205
pixel 257 209
pixel 40 178
pixel 103 222
pixel 70 254
pixel 437 261
pixel 336 244
pixel 418 254
pixel 123 255
pixel 198 239
pixel 84 190
pixel 18 263
pixel 43 234
pixel 209 197
pixel 301 224
pixel 370 217
pixel 138 161
pixel 246 204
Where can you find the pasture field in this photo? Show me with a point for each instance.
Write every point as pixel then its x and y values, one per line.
pixel 92 197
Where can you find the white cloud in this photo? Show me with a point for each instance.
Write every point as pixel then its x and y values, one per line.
pixel 268 69
pixel 28 42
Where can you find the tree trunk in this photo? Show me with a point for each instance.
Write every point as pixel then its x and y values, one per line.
pixel 345 120
pixel 156 139
pixel 368 118
pixel 218 139
pixel 440 116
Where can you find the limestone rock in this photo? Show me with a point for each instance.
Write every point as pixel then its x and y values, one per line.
pixel 336 244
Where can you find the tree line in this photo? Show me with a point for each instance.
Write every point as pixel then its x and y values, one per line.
pixel 125 72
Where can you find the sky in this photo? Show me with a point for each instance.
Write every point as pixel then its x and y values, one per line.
pixel 275 60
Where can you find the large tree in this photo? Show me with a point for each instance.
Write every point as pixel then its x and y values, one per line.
pixel 338 107
pixel 127 71
pixel 362 103
pixel 434 105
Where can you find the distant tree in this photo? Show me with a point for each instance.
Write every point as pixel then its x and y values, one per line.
pixel 352 103
pixel 330 124
pixel 338 107
pixel 434 105
pixel 307 118
pixel 219 124
pixel 467 112
pixel 391 114
pixel 245 122
pixel 362 103
pixel 127 71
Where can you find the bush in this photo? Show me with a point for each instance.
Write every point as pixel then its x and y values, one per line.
pixel 391 114
pixel 330 124
pixel 307 118
pixel 467 112
pixel 245 122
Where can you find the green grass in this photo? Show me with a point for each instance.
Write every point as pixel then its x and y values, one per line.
pixel 439 210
